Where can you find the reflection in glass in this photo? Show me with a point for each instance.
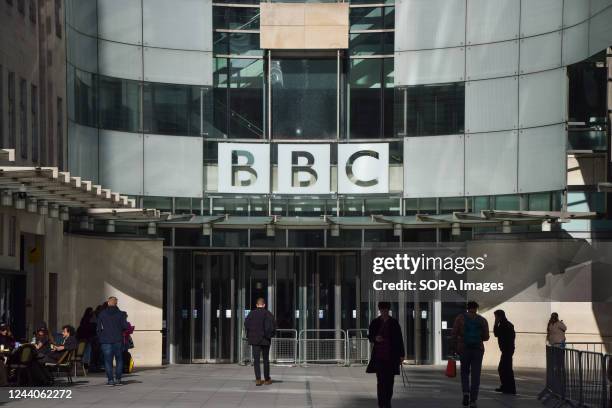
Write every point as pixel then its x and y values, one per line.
pixel 119 104
pixel 304 98
pixel 236 18
pixel 85 98
pixel 238 98
pixel 427 110
pixel 371 105
pixel 373 43
pixel 236 43
pixel 176 109
pixel 366 18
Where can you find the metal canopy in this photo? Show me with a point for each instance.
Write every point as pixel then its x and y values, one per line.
pixel 60 188
pixel 419 221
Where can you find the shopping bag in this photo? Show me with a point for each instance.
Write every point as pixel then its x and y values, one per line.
pixel 451 368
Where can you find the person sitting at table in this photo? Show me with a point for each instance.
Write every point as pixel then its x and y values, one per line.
pixel 42 342
pixel 70 343
pixel 7 340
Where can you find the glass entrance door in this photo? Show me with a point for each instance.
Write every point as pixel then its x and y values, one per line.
pixel 213 309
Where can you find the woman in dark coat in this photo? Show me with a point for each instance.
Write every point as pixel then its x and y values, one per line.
pixel 387 354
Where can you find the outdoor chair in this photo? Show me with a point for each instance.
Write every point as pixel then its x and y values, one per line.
pixel 22 364
pixel 78 358
pixel 64 364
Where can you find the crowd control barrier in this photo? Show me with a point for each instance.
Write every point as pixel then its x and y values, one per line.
pixel 322 346
pixel 283 348
pixel 358 346
pixel 577 374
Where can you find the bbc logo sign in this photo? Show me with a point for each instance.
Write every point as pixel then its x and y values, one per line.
pixel 303 168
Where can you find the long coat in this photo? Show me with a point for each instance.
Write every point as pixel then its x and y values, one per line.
pixel 397 346
pixel 260 327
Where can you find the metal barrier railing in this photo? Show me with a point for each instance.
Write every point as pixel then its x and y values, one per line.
pixel 283 348
pixel 358 346
pixel 322 346
pixel 578 377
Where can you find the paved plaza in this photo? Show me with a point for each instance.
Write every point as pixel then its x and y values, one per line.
pixel 231 385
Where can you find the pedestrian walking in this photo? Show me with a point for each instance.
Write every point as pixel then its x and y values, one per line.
pixel 387 354
pixel 111 324
pixel 555 331
pixel 504 331
pixel 260 327
pixel 469 333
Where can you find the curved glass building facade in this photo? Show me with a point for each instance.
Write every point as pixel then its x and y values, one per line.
pixel 459 105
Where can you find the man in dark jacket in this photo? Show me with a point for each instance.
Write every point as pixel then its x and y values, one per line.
pixel 111 324
pixel 260 327
pixel 387 354
pixel 504 331
pixel 70 343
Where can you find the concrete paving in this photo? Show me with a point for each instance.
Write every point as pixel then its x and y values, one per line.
pixel 230 385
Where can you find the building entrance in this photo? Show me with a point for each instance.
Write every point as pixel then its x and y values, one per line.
pixel 306 290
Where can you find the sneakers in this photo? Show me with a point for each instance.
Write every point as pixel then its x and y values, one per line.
pixel 268 381
pixel 118 383
pixel 499 389
pixel 258 383
pixel 110 383
pixel 466 400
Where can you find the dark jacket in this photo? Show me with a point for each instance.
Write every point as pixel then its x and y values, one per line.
pixel 396 346
pixel 70 343
pixel 111 324
pixel 260 327
pixel 504 331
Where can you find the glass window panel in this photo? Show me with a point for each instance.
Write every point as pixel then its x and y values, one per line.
pixel 432 110
pixel 539 202
pixel 230 238
pixel 365 97
pixel 85 98
pixel 259 206
pixel 351 206
pixel 347 239
pixel 236 18
pixel 389 17
pixel 386 236
pixel 419 235
pixel 507 203
pixel 259 239
pixel 238 1
pixel 308 208
pixel 175 109
pixel 221 43
pixel 371 43
pixel 427 206
pixel 190 237
pixel 119 104
pixel 164 204
pixel 411 206
pixel 246 98
pixel 382 206
pixel 306 238
pixel 244 44
pixel 232 206
pixel 304 98
pixel 388 98
pixel 366 18
pixel 372 1
pixel 449 205
pixel 220 98
pixel 182 205
pixel 278 207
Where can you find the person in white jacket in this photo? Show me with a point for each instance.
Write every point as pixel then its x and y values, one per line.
pixel 555 331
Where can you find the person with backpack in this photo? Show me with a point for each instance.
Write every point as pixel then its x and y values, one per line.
pixel 260 327
pixel 504 331
pixel 469 333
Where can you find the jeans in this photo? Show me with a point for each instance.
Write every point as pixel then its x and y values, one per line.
pixel 257 352
pixel 384 387
pixel 471 365
pixel 111 350
pixel 506 373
